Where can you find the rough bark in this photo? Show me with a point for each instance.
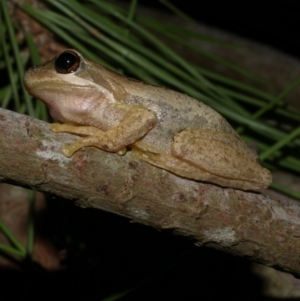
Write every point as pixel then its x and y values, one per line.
pixel 246 224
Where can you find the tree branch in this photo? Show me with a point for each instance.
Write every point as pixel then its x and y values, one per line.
pixel 242 223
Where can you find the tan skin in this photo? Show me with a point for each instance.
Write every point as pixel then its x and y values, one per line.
pixel 165 128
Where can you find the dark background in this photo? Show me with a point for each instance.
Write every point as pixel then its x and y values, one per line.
pixel 276 24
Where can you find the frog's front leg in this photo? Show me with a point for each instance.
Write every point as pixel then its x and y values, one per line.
pixel 136 123
pixel 95 137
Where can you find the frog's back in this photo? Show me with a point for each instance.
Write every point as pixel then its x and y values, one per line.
pixel 176 111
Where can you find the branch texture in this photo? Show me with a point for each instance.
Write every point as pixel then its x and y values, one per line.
pixel 242 223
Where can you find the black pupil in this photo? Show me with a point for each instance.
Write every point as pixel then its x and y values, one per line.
pixel 66 61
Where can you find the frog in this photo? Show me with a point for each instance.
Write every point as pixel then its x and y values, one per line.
pixel 167 129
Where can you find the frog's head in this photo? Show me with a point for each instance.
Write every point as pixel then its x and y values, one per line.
pixel 70 86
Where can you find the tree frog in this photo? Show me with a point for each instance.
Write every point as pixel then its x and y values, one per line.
pixel 165 128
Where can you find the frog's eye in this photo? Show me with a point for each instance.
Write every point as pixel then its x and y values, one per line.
pixel 67 62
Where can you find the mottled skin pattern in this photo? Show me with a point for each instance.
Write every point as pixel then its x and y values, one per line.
pixel 162 127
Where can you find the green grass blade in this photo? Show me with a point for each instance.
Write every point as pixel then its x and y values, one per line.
pixel 281 143
pixel 17 56
pixel 40 108
pixel 11 251
pixel 12 238
pixel 285 190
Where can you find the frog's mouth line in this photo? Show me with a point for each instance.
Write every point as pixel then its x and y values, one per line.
pixel 53 86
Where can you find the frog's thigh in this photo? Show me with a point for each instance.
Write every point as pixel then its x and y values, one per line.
pixel 218 153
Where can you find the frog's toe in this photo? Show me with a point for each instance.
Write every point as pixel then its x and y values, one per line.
pixel 122 151
pixel 55 127
pixel 68 150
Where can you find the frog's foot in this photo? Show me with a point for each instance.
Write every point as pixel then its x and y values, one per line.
pixel 75 129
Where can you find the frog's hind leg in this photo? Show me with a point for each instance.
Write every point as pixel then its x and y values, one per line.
pixel 223 155
pixel 208 156
pixel 170 163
